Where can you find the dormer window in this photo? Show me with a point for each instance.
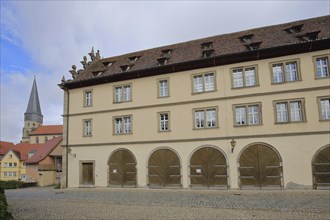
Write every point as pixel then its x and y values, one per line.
pixel 253 46
pixel 207 45
pixel 125 68
pixel 133 59
pixel 246 38
pixel 162 61
pixel 31 153
pixel 207 54
pixel 309 36
pixel 294 29
pixel 166 53
pixel 108 64
pixel 96 74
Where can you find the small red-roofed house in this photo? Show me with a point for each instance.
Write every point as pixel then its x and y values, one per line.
pixel 4 147
pixel 18 155
pixel 44 133
pixel 45 166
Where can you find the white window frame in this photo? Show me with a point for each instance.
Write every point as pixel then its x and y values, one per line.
pixel 122 93
pixel 88 98
pixel 204 82
pixel 205 118
pixel 289 111
pixel 163 88
pixel 163 121
pixel 87 127
pixel 122 125
pixel 324 108
pixel 324 73
pixel 283 71
pixel 243 77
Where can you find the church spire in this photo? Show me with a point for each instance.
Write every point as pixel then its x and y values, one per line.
pixel 33 110
pixel 33 116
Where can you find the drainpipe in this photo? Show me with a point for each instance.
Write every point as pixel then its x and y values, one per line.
pixel 67 136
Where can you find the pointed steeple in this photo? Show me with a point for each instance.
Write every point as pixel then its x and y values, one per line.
pixel 33 110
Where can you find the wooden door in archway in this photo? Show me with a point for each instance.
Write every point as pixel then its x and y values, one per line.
pixel 208 168
pixel 164 169
pixel 321 169
pixel 260 167
pixel 122 169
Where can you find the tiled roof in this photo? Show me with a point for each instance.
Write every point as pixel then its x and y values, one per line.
pixel 45 150
pixel 5 146
pixel 48 130
pixel 22 149
pixel 238 43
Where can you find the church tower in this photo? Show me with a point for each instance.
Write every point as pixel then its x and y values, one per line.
pixel 32 117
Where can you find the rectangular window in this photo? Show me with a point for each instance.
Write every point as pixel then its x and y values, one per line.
pixel 164 124
pixel 5 174
pixel 10 164
pixel 249 114
pixel 204 82
pixel 15 164
pixel 205 118
pixel 285 72
pixel 122 93
pixel 163 90
pixel 10 174
pixel 289 111
pixel 14 173
pixel 87 127
pixel 321 67
pixel 123 125
pixel 88 99
pixel 244 77
pixel 324 108
pixel 5 164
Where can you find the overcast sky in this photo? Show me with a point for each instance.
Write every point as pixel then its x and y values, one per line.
pixel 46 38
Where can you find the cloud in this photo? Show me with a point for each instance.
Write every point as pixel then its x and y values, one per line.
pixel 57 34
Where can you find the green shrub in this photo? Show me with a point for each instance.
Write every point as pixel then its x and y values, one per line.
pixel 11 184
pixel 4 214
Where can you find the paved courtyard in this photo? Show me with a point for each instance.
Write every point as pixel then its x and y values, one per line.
pixel 107 203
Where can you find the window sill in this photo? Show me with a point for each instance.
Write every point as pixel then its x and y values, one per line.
pixel 290 122
pixel 285 82
pixel 244 87
pixel 122 134
pixel 203 92
pixel 206 128
pixel 247 125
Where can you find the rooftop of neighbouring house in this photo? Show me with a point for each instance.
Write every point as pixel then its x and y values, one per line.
pixel 44 151
pixel 48 130
pixel 5 147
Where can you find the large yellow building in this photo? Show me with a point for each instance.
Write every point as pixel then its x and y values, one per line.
pixel 243 110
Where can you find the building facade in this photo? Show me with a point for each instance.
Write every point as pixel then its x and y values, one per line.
pixel 242 110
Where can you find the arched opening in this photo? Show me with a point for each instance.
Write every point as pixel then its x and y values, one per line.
pixel 164 169
pixel 122 169
pixel 321 168
pixel 208 168
pixel 260 166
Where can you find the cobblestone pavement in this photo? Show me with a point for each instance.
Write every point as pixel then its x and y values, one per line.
pixel 107 203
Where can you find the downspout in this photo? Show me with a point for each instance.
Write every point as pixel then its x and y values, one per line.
pixel 67 137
